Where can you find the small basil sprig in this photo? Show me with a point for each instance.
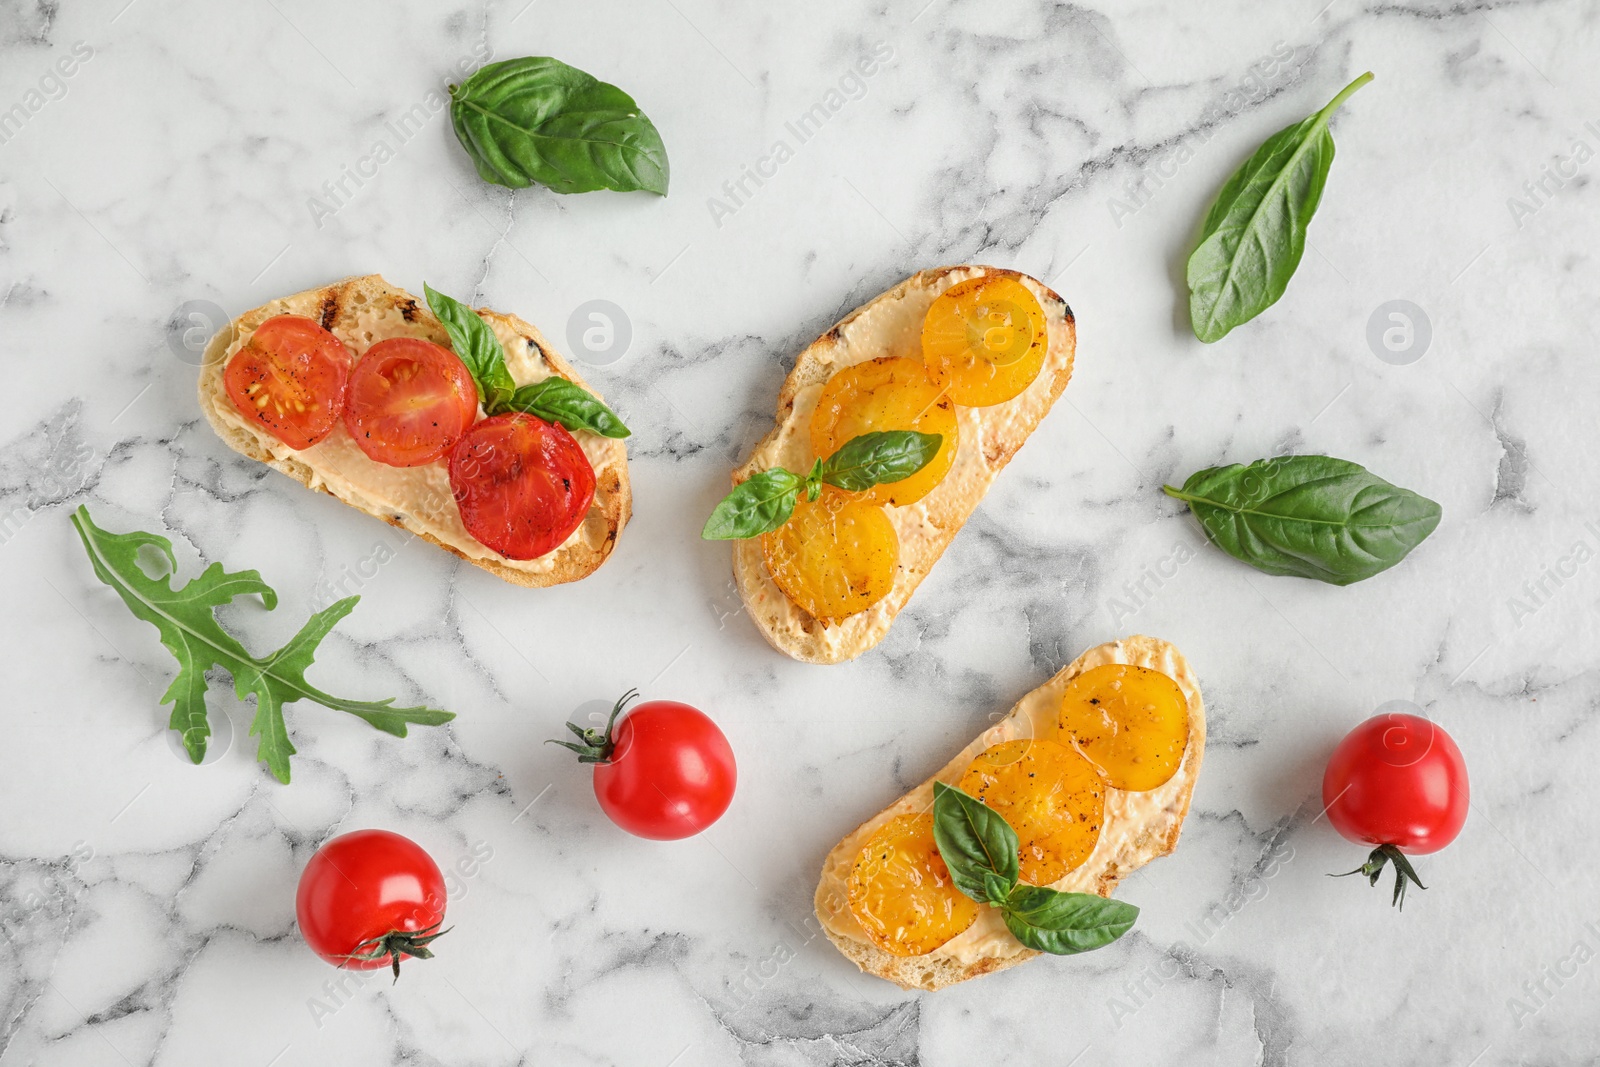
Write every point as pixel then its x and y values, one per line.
pixel 1308 516
pixel 761 503
pixel 765 501
pixel 977 844
pixel 980 848
pixel 554 400
pixel 1255 232
pixel 538 120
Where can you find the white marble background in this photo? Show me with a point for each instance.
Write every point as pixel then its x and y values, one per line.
pixel 147 906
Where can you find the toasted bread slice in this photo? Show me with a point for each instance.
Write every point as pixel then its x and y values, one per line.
pixel 360 312
pixel 1137 828
pixel 891 325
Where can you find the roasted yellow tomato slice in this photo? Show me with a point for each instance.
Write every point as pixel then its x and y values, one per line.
pixel 900 890
pixel 835 557
pixel 984 340
pixel 893 393
pixel 1053 798
pixel 1130 722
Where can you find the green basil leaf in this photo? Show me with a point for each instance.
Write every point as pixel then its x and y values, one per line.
pixel 878 457
pixel 758 505
pixel 1255 232
pixel 185 618
pixel 1308 516
pixel 477 346
pixel 1065 923
pixel 539 120
pixel 977 844
pixel 557 400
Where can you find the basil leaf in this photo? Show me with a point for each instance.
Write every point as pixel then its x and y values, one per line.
pixel 474 341
pixel 1065 923
pixel 758 505
pixel 878 457
pixel 557 400
pixel 1255 232
pixel 185 618
pixel 977 844
pixel 539 120
pixel 1308 516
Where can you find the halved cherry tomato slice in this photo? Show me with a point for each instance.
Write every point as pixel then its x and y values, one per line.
pixel 290 378
pixel 1053 798
pixel 984 340
pixel 900 889
pixel 408 401
pixel 836 555
pixel 1131 722
pixel 523 485
pixel 892 393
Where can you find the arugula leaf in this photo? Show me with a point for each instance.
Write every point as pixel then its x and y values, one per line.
pixel 1308 516
pixel 1255 232
pixel 878 457
pixel 538 120
pixel 977 844
pixel 1065 923
pixel 557 400
pixel 477 346
pixel 761 503
pixel 185 618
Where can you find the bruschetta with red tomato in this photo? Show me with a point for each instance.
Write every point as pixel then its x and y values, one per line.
pixel 464 426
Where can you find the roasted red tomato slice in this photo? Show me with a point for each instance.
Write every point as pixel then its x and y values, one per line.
pixel 522 484
pixel 290 378
pixel 409 400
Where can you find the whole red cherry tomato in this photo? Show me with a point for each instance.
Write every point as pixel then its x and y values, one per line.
pixel 1398 782
pixel 664 772
pixel 290 379
pixel 370 898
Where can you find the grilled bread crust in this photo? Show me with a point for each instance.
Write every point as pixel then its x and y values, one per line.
pixel 890 325
pixel 1121 850
pixel 336 307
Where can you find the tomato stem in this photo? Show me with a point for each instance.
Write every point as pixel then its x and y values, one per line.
pixel 397 944
pixel 596 746
pixel 1403 872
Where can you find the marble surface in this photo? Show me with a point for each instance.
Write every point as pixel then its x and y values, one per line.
pixel 147 905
